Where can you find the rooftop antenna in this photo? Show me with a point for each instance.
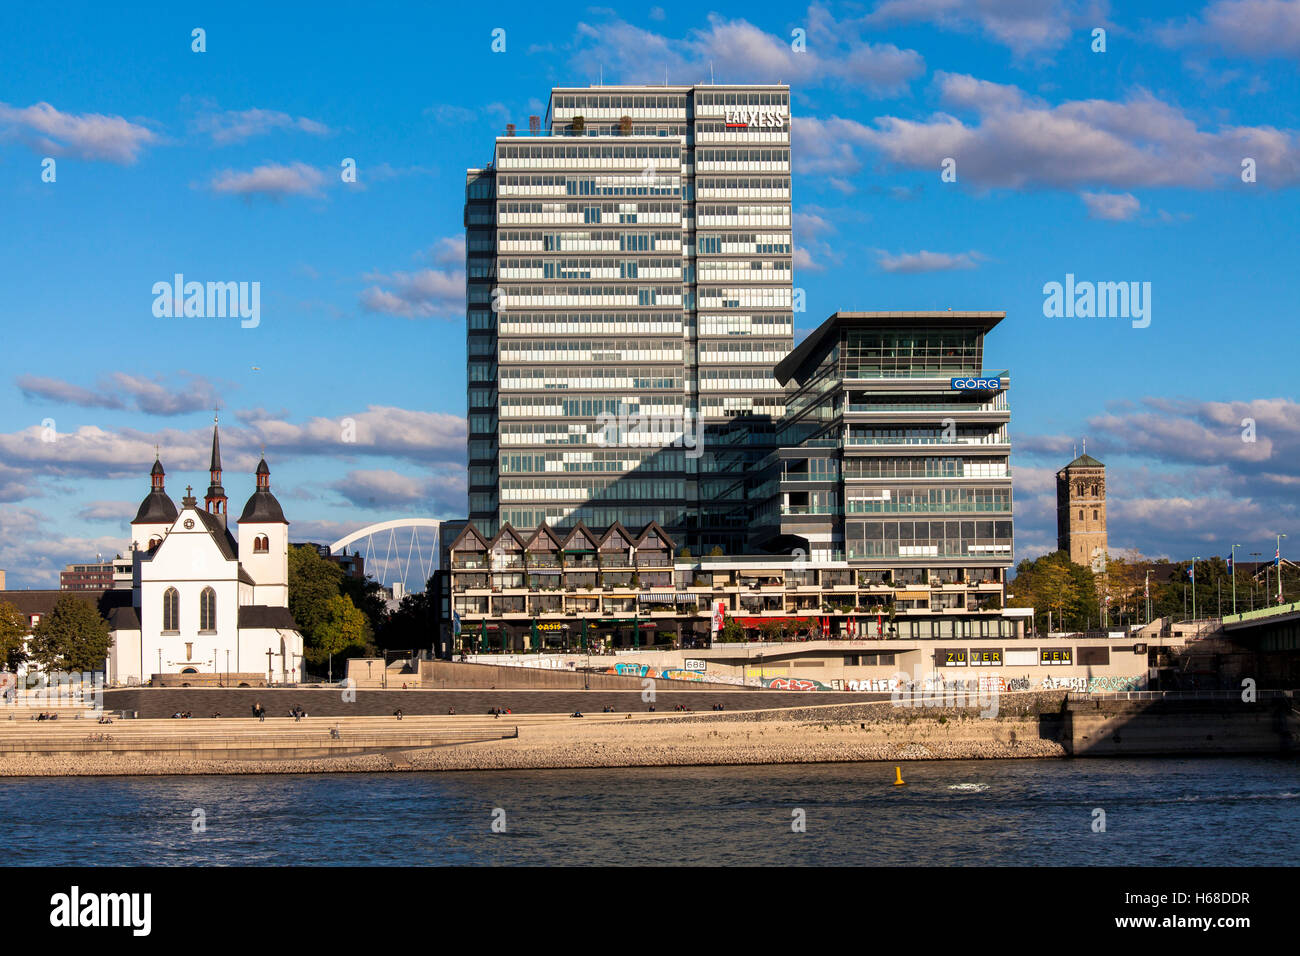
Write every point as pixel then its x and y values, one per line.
pixel 602 74
pixel 711 83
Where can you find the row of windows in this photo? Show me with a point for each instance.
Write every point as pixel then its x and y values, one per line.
pixel 926 467
pixel 595 516
pixel 593 151
pixel 748 325
pixel 590 323
pixel 578 101
pixel 593 240
pixel 582 489
pixel 619 462
pixel 922 500
pixel 769 98
pixel 742 155
pixel 560 295
pixel 541 406
pixel 632 185
pixel 596 377
pixel 171 610
pixel 576 350
pixel 746 298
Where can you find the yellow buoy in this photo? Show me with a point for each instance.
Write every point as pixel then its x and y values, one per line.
pixel 898 780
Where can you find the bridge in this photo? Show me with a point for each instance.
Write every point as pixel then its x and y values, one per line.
pixel 409 547
pixel 1272 636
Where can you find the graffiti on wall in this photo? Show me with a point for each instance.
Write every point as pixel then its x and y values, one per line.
pixel 1093 685
pixel 874 684
pixel 794 683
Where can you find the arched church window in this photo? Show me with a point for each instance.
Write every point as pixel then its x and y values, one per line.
pixel 1080 514
pixel 154 542
pixel 208 610
pixel 261 544
pixel 171 610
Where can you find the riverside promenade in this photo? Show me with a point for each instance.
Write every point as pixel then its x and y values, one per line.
pixel 1023 725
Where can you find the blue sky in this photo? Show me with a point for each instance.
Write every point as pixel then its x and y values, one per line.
pixel 224 165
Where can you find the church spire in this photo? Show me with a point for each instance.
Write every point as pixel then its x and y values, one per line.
pixel 215 500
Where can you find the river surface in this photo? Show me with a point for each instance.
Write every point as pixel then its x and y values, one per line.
pixel 1229 811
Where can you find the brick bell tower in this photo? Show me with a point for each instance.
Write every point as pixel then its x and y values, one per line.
pixel 1081 511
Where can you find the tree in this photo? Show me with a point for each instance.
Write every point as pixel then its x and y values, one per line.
pixel 313 581
pixel 413 623
pixel 1055 583
pixel 343 628
pixel 364 593
pixel 13 636
pixel 732 632
pixel 72 637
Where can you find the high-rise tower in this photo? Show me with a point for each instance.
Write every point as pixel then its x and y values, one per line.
pixel 629 277
pixel 1081 511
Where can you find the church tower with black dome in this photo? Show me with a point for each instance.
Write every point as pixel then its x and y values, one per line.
pixel 156 514
pixel 264 543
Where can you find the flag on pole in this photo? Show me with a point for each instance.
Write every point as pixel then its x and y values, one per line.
pixel 1191 573
pixel 455 623
pixel 1229 563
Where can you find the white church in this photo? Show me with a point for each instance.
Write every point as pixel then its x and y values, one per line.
pixel 206 608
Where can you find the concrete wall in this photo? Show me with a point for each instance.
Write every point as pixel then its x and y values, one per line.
pixel 238 702
pixel 1108 728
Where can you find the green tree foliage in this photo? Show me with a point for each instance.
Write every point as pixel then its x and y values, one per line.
pixel 13 631
pixel 313 582
pixel 732 632
pixel 365 594
pixel 1055 583
pixel 72 637
pixel 342 629
pixel 413 624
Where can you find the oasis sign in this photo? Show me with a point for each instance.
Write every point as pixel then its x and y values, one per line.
pixel 755 119
pixel 976 384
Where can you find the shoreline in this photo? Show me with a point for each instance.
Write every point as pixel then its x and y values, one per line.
pixel 844 734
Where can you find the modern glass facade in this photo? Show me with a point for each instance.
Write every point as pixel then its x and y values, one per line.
pixel 629 286
pixel 894 448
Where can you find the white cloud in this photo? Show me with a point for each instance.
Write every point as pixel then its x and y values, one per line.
pixel 1259 29
pixel 234 126
pixel 1115 207
pixel 1018 142
pixel 426 293
pixel 926 261
pixel 275 180
pixel 91 136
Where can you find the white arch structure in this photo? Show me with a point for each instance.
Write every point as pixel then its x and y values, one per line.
pixel 386 533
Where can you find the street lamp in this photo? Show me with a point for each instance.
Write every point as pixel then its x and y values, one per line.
pixel 1253 579
pixel 1146 592
pixel 1279 567
pixel 1232 566
pixel 1194 560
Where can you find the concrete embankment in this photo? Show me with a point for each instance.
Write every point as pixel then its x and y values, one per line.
pixel 809 734
pixel 1105 727
pixel 1028 725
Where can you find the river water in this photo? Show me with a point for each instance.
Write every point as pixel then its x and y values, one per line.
pixel 1229 811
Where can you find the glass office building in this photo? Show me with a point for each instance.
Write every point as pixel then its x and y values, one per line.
pixel 894 449
pixel 629 291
